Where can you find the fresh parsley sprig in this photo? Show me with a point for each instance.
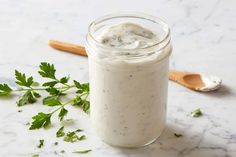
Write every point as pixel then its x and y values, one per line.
pixel 55 87
pixel 30 92
pixel 44 119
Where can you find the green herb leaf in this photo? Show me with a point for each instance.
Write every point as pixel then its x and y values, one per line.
pixel 78 130
pixel 60 132
pixel 81 87
pixel 40 120
pixel 51 101
pixel 85 86
pixel 4 89
pixel 62 151
pixel 62 113
pixel 64 79
pixel 72 137
pixel 35 94
pixel 41 142
pixel 29 97
pixel 196 113
pixel 50 84
pixel 46 99
pixel 84 104
pixel 53 91
pixel 77 84
pixel 47 70
pixel 35 155
pixel 83 137
pixel 55 143
pixel 83 151
pixel 78 101
pixel 22 80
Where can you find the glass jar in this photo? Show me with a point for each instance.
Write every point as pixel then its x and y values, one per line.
pixel 128 91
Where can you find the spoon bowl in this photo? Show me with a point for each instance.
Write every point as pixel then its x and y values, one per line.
pixel 195 81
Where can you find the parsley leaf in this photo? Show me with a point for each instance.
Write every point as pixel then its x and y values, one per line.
pixel 50 83
pixel 41 142
pixel 35 155
pixel 72 137
pixel 53 91
pixel 196 113
pixel 84 104
pixel 64 79
pixel 83 137
pixel 60 132
pixel 83 151
pixel 22 80
pixel 81 87
pixel 47 70
pixel 40 120
pixel 4 89
pixel 78 130
pixel 55 94
pixel 46 99
pixel 62 113
pixel 52 101
pixel 29 97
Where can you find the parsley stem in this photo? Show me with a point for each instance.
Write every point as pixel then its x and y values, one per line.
pixel 24 89
pixel 66 84
pixel 66 87
pixel 84 94
pixel 68 102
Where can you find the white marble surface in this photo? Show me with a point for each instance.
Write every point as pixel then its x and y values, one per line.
pixel 204 40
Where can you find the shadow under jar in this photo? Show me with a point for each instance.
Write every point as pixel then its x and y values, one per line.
pixel 128 86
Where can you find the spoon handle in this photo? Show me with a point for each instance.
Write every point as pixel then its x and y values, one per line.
pixel 67 47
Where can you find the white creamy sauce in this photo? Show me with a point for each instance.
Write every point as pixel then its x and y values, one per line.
pixel 128 36
pixel 211 83
pixel 128 97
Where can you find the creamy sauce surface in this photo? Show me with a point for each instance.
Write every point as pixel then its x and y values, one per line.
pixel 128 36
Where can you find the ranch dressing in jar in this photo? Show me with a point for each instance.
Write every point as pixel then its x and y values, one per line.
pixel 128 74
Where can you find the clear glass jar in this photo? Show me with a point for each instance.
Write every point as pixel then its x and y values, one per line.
pixel 128 91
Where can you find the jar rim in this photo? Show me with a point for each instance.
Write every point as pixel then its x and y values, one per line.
pixel 139 15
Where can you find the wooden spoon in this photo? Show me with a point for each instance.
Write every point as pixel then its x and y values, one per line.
pixel 190 80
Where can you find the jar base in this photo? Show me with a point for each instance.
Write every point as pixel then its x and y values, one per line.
pixel 134 146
